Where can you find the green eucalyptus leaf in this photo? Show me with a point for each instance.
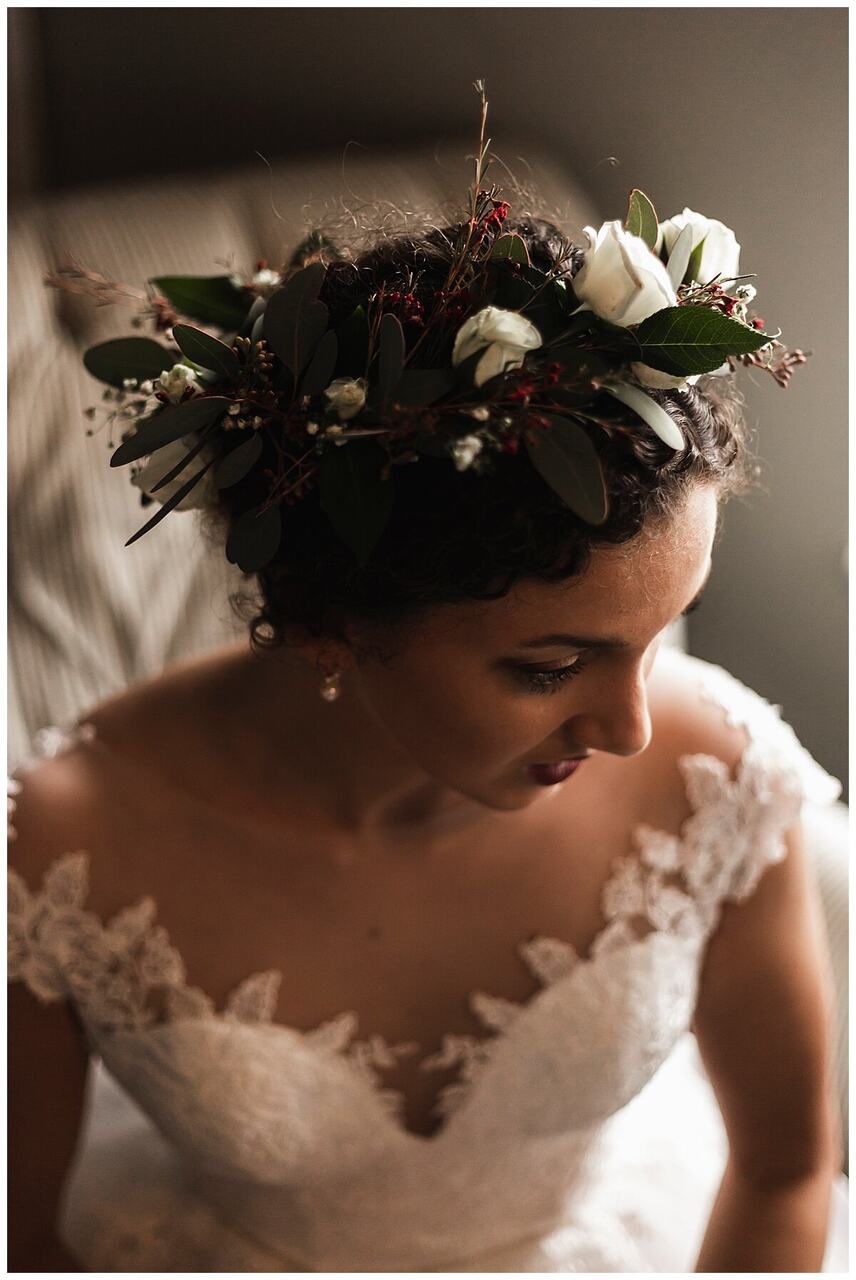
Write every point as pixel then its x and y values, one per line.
pixel 179 466
pixel 120 358
pixel 291 308
pixel 254 538
pixel 680 256
pixel 649 410
pixel 566 458
pixel 320 370
pixel 694 264
pixel 255 312
pixel 208 299
pixel 239 461
pixel 205 351
pixel 641 218
pixel 421 387
pixel 356 500
pixel 170 504
pixel 168 425
pixel 390 357
pixel 353 335
pixel 690 339
pixel 510 248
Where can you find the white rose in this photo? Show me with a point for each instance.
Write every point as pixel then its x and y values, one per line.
pixel 720 255
pixel 175 381
pixel 621 280
pixel 163 460
pixel 506 337
pixel 465 450
pixel 346 396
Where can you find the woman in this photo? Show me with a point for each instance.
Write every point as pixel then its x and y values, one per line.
pixel 391 968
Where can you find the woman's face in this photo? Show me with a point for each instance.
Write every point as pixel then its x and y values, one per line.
pixel 482 691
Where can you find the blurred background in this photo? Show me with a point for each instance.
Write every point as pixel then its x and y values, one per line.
pixel 133 141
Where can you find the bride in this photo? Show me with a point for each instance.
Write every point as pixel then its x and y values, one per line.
pixel 395 922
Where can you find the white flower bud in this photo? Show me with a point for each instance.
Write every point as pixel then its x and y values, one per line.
pixel 505 336
pixel 465 451
pixel 346 396
pixel 175 381
pixel 481 414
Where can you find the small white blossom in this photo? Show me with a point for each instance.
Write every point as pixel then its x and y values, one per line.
pixel 346 396
pixel 465 451
pixel 175 381
pixel 130 384
pixel 746 292
pixel 505 336
pixel 334 431
pixel 481 414
pixel 266 280
pixel 234 410
pixel 312 428
pixel 258 422
pixel 147 387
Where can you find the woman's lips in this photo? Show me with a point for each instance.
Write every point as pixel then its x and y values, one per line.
pixel 547 775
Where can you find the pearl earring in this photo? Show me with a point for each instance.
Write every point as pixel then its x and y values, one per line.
pixel 331 687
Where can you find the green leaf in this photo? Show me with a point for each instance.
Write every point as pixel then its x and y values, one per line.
pixel 179 466
pixel 208 299
pixel 648 410
pixel 568 461
pixel 641 218
pixel 680 256
pixel 291 308
pixel 694 264
pixel 170 504
pixel 353 337
pixel 421 387
pixel 319 372
pixel 205 351
pixel 510 248
pixel 390 357
pixel 356 500
pixel 239 462
pixel 255 313
pixel 254 539
pixel 121 358
pixel 168 425
pixel 690 339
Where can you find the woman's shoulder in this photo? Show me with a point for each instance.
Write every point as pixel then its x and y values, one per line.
pixel 701 710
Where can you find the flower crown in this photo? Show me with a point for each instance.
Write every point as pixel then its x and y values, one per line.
pixel 280 400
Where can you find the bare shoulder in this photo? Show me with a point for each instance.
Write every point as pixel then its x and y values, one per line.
pixel 687 715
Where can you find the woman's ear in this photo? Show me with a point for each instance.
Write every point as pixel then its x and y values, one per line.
pixel 326 654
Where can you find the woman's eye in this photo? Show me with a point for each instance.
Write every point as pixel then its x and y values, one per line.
pixel 540 680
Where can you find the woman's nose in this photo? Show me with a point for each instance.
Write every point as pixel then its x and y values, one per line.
pixel 617 718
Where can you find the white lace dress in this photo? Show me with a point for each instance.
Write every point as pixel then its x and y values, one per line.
pixel 581 1133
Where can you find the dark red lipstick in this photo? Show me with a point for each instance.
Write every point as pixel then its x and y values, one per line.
pixel 547 775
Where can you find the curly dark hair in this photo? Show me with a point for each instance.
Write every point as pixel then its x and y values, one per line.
pixel 456 536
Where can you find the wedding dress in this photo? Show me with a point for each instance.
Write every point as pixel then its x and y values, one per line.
pixel 581 1133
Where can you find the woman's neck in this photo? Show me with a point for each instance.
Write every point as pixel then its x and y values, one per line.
pixel 339 754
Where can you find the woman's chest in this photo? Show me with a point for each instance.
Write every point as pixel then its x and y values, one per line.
pixel 427 947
